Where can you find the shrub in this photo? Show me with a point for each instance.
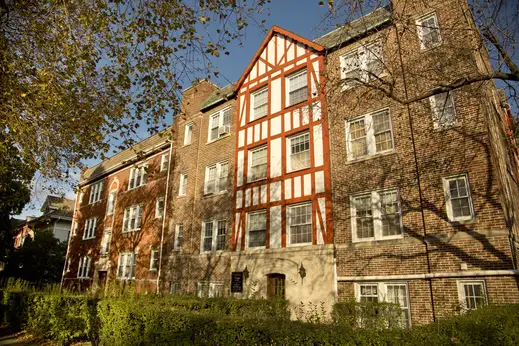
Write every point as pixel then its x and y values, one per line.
pixel 371 315
pixel 14 306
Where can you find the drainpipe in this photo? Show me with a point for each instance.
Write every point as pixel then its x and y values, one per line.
pixel 69 239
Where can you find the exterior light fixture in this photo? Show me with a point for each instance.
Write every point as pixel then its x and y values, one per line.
pixel 302 271
pixel 245 273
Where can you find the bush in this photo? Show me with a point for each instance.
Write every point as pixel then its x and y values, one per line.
pixel 14 307
pixel 372 315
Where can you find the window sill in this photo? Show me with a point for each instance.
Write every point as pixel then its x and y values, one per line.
pixel 300 244
pixel 88 238
pixel 134 188
pixel 463 222
pixel 131 231
pixel 297 104
pixel 153 270
pixel 212 252
pixel 218 139
pixel 424 50
pixel 83 278
pixel 209 195
pixel 370 157
pixel 186 145
pixel 375 241
pixel 255 181
pixel 440 128
pixel 181 196
pixel 126 279
pixel 297 170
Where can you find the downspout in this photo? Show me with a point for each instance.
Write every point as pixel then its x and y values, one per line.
pixel 74 220
pixel 415 157
pixel 164 216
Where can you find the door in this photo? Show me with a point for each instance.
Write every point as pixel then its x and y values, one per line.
pixel 276 286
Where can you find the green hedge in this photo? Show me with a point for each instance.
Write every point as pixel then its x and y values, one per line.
pixel 372 315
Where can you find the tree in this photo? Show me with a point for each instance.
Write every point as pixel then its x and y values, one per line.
pixel 76 75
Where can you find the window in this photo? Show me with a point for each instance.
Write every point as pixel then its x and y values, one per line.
pixel 179 230
pixel 362 65
pixel 90 228
pixel 182 190
pixel 299 152
pixel 395 293
pixel 208 289
pixel 137 177
pixel 132 218
pixel 216 178
pixel 127 265
pixel 297 88
pixel 220 124
pixel 83 270
pixel 258 163
pixel 458 199
pixel 159 207
pixel 67 269
pixel 472 294
pixel 256 229
pixel 188 133
pixel 111 203
pixel 174 288
pixel 154 260
pixel 260 101
pixel 444 112
pixel 300 224
pixel 428 31
pixel 376 215
pixel 95 192
pixel 105 242
pixel 369 134
pixel 164 162
pixel 74 230
pixel 213 235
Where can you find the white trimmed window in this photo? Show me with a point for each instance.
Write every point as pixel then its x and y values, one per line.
pixel 300 224
pixel 95 192
pixel 110 206
pixel 297 88
pixel 132 218
pixel 213 235
pixel 443 110
pixel 159 207
pixel 164 161
pixel 81 195
pixel 362 64
pixel 90 228
pixel 207 289
pixel 298 147
pixel 257 229
pixel 182 190
pixel 428 31
pixel 105 242
pixel 395 293
pixel 188 133
pixel 67 269
pixel 126 266
pixel 458 198
pixel 216 178
pixel 376 215
pixel 179 230
pixel 83 270
pixel 258 163
pixel 154 260
pixel 220 124
pixel 137 177
pixel 260 101
pixel 369 134
pixel 74 230
pixel 472 294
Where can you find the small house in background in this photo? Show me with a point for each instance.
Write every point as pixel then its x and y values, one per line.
pixel 56 217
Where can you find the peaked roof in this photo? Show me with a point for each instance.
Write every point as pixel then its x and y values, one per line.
pixel 275 30
pixel 57 202
pixel 221 94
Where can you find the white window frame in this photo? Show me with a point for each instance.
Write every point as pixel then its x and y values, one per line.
pixel 369 135
pixel 461 292
pixel 83 270
pixel 75 228
pixel 95 192
pixel 134 210
pixel 110 204
pixel 154 260
pixel 212 288
pixel 105 242
pixel 376 212
pixel 164 161
pixel 247 233
pixel 382 294
pixel 67 269
pixel 361 53
pixel 133 263
pixel 214 236
pixel 223 128
pixel 289 151
pixel 437 111
pixel 137 172
pixel 253 100
pixel 420 26
pixel 249 168
pixel 288 86
pixel 179 230
pixel 289 225
pixel 448 203
pixel 90 228
pixel 159 212
pixel 188 134
pixel 182 188
pixel 218 176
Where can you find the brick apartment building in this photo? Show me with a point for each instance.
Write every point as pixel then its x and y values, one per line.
pixel 300 182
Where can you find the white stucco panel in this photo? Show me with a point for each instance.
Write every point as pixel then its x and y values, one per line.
pixel 263 198
pixel 296 118
pixel 239 178
pixel 264 129
pixel 239 199
pixel 247 197
pixel 255 195
pixel 318 145
pixel 275 125
pixel 316 111
pixel 280 48
pixel 241 138
pixel 297 187
pixel 275 227
pixel 288 188
pixel 257 132
pixel 276 157
pixel 305 115
pixel 319 181
pixel 287 122
pixel 275 95
pixel 307 185
pixel 271 51
pixel 275 191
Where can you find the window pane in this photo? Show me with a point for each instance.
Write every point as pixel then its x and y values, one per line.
pixel 259 163
pixel 364 216
pixel 390 213
pixel 220 238
pixel 211 179
pixel 208 236
pixel 257 227
pixel 224 171
pixel 368 293
pixel 300 224
pixel 260 103
pixel 298 88
pixel 444 109
pixel 300 152
pixel 351 68
pixel 215 124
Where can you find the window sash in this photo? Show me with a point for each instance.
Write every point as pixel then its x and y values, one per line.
pixel 369 135
pixel 428 31
pixel 127 266
pixel 179 229
pixel 258 163
pixel 182 190
pixel 188 133
pixel 105 242
pixel 159 207
pixel 154 260
pixel 260 103
pixel 132 218
pixel 256 229
pixel 300 224
pixel 299 151
pixel 298 88
pixel 164 161
pixel 443 110
pixel 458 198
pixel 90 227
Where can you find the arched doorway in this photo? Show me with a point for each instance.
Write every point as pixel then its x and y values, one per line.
pixel 276 286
